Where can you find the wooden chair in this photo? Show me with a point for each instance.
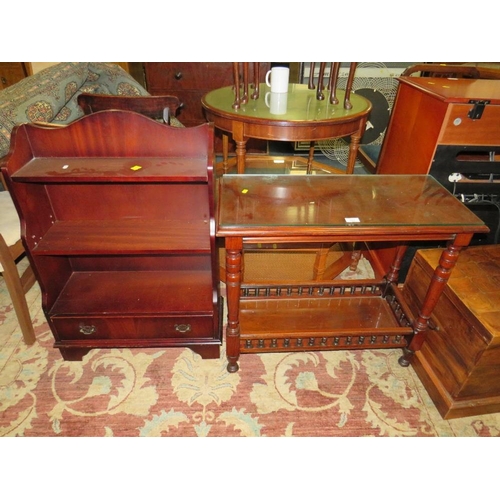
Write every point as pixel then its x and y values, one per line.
pixel 156 107
pixel 11 250
pixel 243 85
pixel 332 82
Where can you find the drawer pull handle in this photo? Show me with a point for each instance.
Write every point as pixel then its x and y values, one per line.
pixel 178 75
pixel 183 328
pixel 88 329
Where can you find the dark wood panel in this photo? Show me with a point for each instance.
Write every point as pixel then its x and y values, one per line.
pixel 188 76
pixel 131 293
pixel 12 72
pixel 190 81
pixel 412 133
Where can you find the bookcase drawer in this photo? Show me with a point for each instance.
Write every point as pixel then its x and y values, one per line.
pixel 177 327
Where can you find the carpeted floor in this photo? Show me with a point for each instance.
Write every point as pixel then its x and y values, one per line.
pixel 159 392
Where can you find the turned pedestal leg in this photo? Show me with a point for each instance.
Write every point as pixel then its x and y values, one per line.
pixel 241 141
pixel 310 158
pixel 233 283
pixel 439 280
pixel 354 146
pixel 240 156
pixel 225 152
pixel 353 153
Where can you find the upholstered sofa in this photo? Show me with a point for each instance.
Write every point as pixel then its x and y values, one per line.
pixel 51 95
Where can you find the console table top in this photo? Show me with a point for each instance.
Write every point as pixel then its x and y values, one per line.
pixel 377 205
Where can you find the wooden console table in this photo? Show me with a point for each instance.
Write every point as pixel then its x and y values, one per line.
pixel 305 119
pixel 284 209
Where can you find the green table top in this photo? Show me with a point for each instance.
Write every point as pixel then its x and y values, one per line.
pixel 301 105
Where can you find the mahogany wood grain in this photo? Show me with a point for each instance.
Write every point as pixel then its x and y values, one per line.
pixel 151 106
pixel 118 224
pixel 290 210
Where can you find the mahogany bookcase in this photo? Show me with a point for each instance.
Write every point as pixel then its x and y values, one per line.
pixel 117 216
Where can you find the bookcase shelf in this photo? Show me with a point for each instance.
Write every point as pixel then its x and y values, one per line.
pixel 121 237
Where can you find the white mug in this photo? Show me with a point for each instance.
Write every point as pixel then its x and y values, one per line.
pixel 279 79
pixel 278 103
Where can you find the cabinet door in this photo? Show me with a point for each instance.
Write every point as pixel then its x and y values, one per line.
pixel 12 72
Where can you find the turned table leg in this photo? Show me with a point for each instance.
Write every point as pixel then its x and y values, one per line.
pixel 438 283
pixel 241 141
pixel 354 146
pixel 233 285
pixel 393 274
pixel 310 158
pixel 240 156
pixel 225 152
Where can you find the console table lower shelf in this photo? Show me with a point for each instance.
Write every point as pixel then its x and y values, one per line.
pixel 322 317
pixel 334 315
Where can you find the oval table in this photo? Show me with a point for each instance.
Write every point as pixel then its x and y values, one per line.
pixel 302 118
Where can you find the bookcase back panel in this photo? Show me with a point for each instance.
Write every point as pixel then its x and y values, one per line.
pixel 119 201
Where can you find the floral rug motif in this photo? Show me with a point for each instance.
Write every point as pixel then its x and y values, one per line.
pixel 173 392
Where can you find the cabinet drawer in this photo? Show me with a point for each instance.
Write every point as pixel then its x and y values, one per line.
pixel 191 76
pixel 178 327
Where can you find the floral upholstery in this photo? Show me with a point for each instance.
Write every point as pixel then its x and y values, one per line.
pixel 51 95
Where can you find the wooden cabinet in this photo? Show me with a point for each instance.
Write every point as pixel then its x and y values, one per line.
pixel 190 81
pixel 118 222
pixel 430 113
pixel 448 128
pixel 12 72
pixel 459 363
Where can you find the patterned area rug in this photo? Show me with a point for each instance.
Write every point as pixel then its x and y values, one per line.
pixel 161 392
